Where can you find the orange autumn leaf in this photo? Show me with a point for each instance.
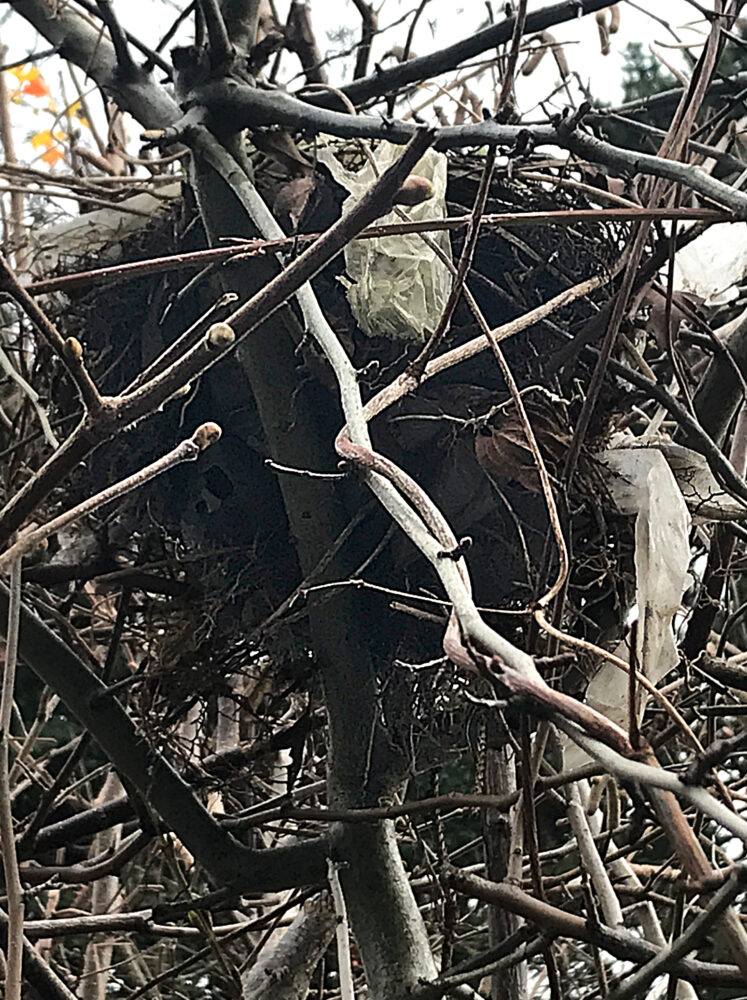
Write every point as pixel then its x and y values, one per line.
pixel 30 81
pixel 36 87
pixel 53 156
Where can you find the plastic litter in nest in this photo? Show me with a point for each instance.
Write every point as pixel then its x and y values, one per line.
pixel 396 286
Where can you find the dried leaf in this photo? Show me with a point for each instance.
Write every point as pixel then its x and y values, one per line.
pixel 292 198
pixel 503 451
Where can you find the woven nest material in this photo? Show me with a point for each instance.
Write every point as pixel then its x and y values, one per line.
pixel 195 520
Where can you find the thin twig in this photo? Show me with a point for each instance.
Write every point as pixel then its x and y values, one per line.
pixel 67 349
pixel 13 887
pixel 347 991
pixel 187 451
pixel 418 366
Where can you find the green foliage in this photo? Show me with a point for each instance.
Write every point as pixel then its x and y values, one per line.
pixel 643 76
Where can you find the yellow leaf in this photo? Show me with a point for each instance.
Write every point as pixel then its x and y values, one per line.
pixel 43 138
pixel 24 73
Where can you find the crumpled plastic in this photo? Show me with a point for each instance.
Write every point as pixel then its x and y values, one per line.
pixel 100 233
pixel 715 264
pixel 397 287
pixel 640 482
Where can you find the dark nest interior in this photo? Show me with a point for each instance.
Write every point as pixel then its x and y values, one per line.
pixel 206 550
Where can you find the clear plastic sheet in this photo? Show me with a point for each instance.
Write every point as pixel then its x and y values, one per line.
pixel 397 286
pixel 642 484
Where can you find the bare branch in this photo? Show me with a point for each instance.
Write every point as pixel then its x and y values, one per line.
pixel 229 862
pixel 188 451
pixel 221 50
pixel 14 948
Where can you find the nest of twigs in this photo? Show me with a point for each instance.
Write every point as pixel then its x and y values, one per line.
pixel 230 572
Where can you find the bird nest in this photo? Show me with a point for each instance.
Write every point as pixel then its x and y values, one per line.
pixel 457 435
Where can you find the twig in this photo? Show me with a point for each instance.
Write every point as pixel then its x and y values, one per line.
pixel 68 350
pixel 7 366
pixel 107 863
pixel 268 920
pixel 347 991
pixel 404 383
pixel 369 24
pixel 505 106
pixel 14 231
pixel 119 38
pixel 245 249
pixel 14 890
pixel 221 50
pixel 451 802
pixel 215 313
pixel 418 366
pixel 187 451
pixel 153 58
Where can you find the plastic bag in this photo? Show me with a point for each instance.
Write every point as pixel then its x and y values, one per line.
pixel 641 483
pixel 397 286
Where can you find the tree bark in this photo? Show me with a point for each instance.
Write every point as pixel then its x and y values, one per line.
pixel 500 779
pixel 284 972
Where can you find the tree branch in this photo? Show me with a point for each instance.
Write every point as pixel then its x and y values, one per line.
pixel 235 106
pixel 390 81
pixel 558 923
pixel 225 859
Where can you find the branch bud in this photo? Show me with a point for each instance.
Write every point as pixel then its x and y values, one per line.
pixel 73 349
pixel 220 336
pixel 414 191
pixel 206 434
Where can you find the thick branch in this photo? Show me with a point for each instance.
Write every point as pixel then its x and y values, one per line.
pixel 235 106
pixel 224 858
pixel 557 923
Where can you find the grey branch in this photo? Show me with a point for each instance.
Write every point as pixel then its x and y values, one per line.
pixel 284 972
pixel 223 857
